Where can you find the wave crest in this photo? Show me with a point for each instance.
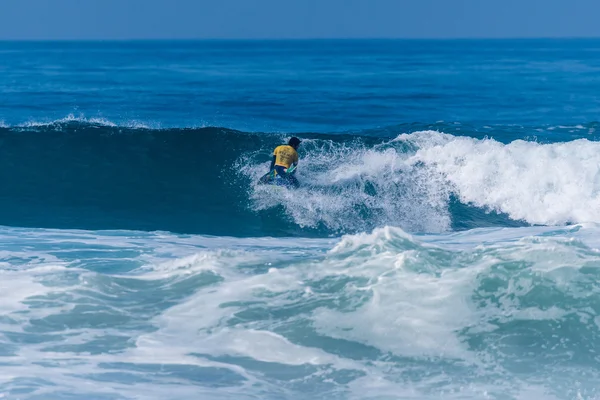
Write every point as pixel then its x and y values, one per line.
pixel 92 174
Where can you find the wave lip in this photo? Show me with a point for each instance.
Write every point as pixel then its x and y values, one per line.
pixel 80 122
pixel 69 119
pixel 546 184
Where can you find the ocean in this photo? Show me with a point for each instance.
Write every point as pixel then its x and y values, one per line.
pixel 444 242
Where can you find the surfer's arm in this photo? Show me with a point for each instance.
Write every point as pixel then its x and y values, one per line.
pixel 272 163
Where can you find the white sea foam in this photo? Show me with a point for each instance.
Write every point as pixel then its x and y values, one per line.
pixel 374 315
pixel 352 187
pixel 547 184
pixel 409 181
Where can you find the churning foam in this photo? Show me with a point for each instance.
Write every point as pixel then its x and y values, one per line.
pixel 547 184
pixel 409 181
pixel 352 187
pixel 492 313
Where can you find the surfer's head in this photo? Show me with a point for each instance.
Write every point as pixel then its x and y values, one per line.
pixel 294 142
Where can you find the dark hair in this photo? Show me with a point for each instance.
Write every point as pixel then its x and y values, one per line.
pixel 294 142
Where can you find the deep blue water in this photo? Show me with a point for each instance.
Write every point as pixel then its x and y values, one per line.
pixel 318 86
pixel 443 242
pixel 124 135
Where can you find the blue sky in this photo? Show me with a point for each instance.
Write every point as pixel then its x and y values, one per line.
pixel 170 19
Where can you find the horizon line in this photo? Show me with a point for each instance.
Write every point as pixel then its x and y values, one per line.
pixel 264 39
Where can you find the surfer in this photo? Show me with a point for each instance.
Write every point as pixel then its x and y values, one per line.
pixel 284 157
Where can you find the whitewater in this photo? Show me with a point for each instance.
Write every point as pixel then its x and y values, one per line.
pixel 443 243
pixel 489 313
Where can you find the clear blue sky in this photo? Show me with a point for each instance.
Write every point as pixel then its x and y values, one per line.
pixel 170 19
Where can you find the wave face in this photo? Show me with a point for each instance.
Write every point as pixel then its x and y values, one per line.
pixel 92 174
pixel 489 313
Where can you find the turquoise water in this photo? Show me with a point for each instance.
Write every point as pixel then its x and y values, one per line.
pixel 443 242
